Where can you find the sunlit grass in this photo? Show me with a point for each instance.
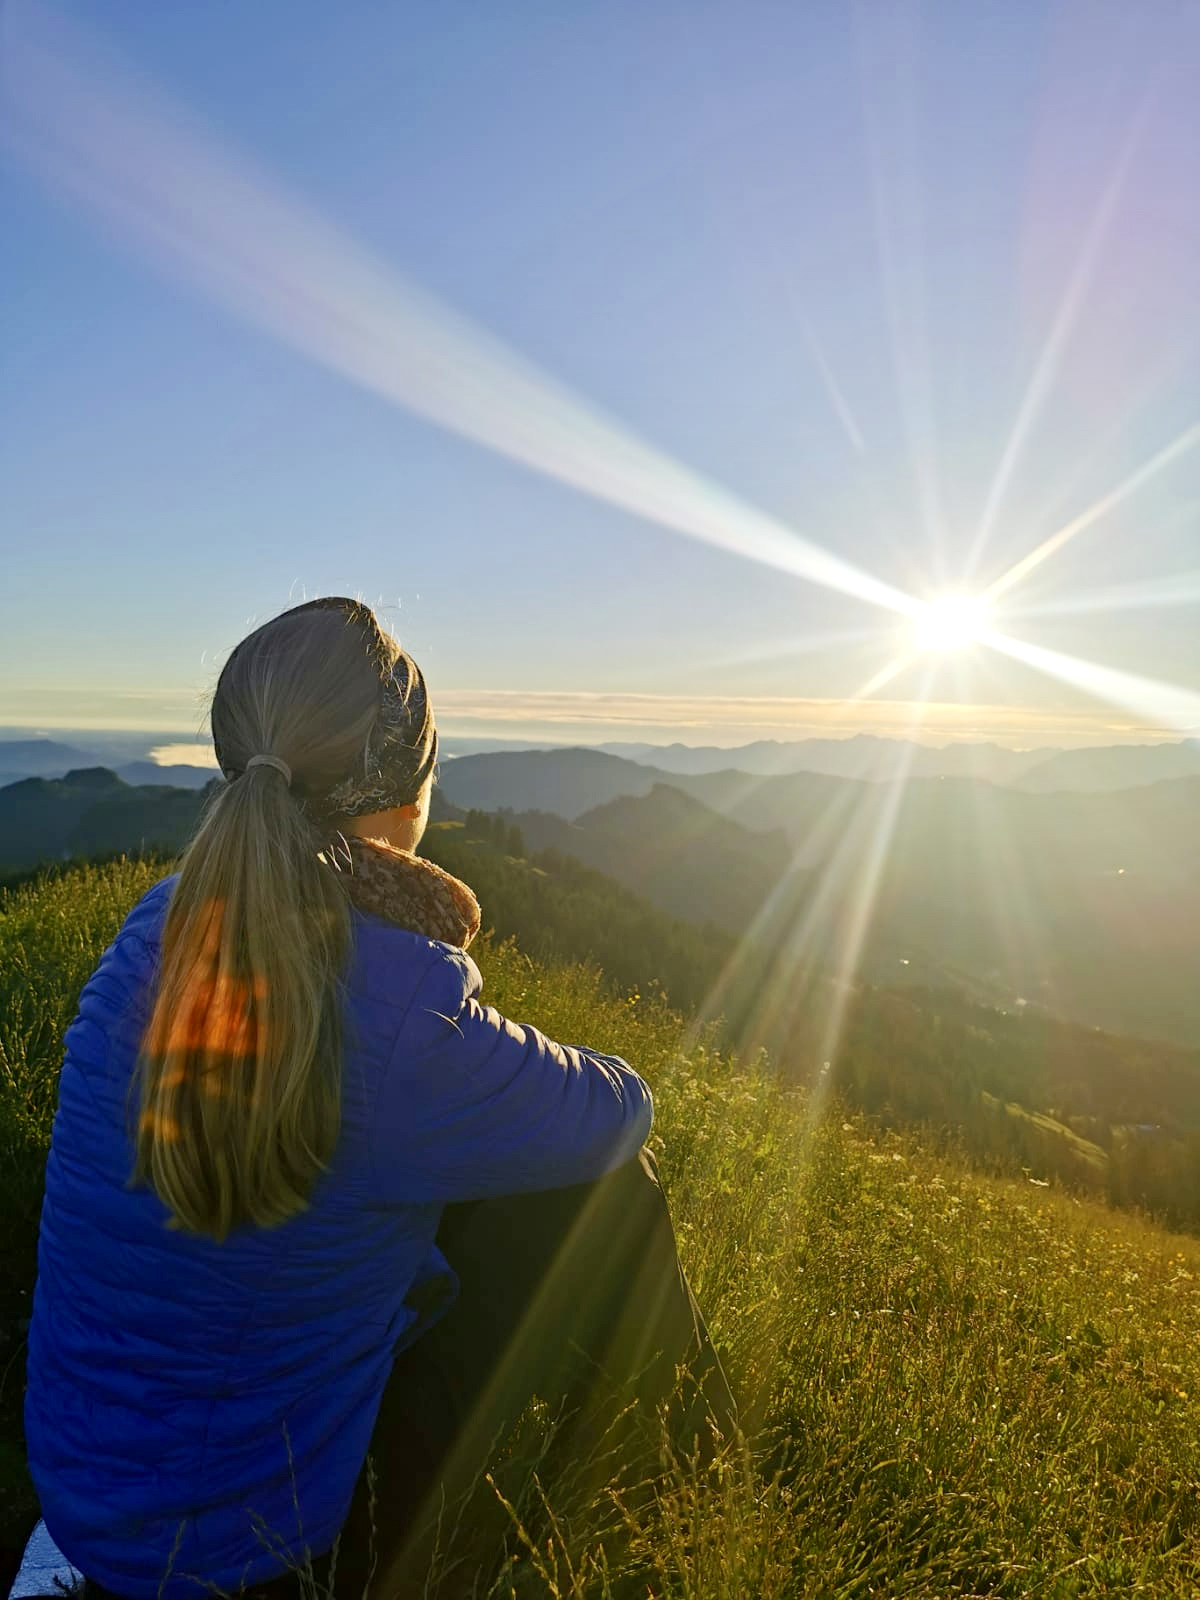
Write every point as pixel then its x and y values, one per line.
pixel 957 1385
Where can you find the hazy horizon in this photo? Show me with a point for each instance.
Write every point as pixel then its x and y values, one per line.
pixel 173 746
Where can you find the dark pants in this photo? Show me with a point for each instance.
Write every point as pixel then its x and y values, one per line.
pixel 572 1294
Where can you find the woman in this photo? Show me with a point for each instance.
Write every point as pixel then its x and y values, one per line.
pixel 306 1198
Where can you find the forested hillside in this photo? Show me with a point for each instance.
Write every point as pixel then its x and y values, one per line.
pixel 1080 905
pixel 556 907
pixel 95 812
pixel 1114 1116
pixel 91 812
pixel 671 849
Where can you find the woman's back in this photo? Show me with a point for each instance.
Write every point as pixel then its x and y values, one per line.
pixel 210 1404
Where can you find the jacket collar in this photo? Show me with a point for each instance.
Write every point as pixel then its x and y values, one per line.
pixel 409 891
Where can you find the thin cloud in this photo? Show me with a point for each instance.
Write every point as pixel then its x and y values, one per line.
pixel 596 716
pixel 726 718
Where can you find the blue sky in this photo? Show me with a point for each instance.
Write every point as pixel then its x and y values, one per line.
pixel 825 256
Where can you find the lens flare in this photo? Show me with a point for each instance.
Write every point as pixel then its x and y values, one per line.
pixel 1184 443
pixel 199 211
pixel 1162 706
pixel 1046 371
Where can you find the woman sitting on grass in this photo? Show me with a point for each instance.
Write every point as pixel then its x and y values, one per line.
pixel 308 1200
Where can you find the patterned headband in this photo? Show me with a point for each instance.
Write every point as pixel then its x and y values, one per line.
pixel 401 750
pixel 402 747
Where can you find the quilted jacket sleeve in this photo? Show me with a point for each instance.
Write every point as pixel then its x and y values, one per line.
pixel 473 1105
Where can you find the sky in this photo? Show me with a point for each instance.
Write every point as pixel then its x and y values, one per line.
pixel 644 364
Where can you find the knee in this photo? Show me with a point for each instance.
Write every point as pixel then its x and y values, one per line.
pixel 646 1161
pixel 635 1189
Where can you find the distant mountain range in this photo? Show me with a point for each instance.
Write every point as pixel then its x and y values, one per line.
pixel 128 755
pixel 876 760
pixel 866 757
pixel 1119 766
pixel 1084 904
pixel 40 758
pixel 46 758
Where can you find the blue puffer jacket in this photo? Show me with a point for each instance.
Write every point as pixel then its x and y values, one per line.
pixel 191 1403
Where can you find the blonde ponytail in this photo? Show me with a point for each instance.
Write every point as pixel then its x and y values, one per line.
pixel 240 1064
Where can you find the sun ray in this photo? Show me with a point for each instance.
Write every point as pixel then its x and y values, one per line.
pixel 762 960
pixel 765 992
pixel 807 644
pixel 792 974
pixel 1061 329
pixel 1187 440
pixel 884 676
pixel 1164 705
pixel 900 264
pixel 833 389
pixel 1023 950
pixel 206 215
pixel 1102 448
pixel 777 965
pixel 1183 589
pixel 865 895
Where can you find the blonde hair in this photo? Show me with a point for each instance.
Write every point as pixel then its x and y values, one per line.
pixel 240 1064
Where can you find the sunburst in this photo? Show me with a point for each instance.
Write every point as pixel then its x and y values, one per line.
pixel 950 622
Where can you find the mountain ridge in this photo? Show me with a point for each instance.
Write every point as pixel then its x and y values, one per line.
pixel 1082 903
pixel 868 757
pixel 879 759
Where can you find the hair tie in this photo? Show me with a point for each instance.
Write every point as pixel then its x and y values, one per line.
pixel 277 762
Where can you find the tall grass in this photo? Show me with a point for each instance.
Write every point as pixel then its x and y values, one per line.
pixel 955 1385
pixel 53 931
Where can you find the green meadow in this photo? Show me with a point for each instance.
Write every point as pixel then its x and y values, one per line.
pixel 954 1384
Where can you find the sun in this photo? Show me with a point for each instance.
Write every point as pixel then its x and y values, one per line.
pixel 951 622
